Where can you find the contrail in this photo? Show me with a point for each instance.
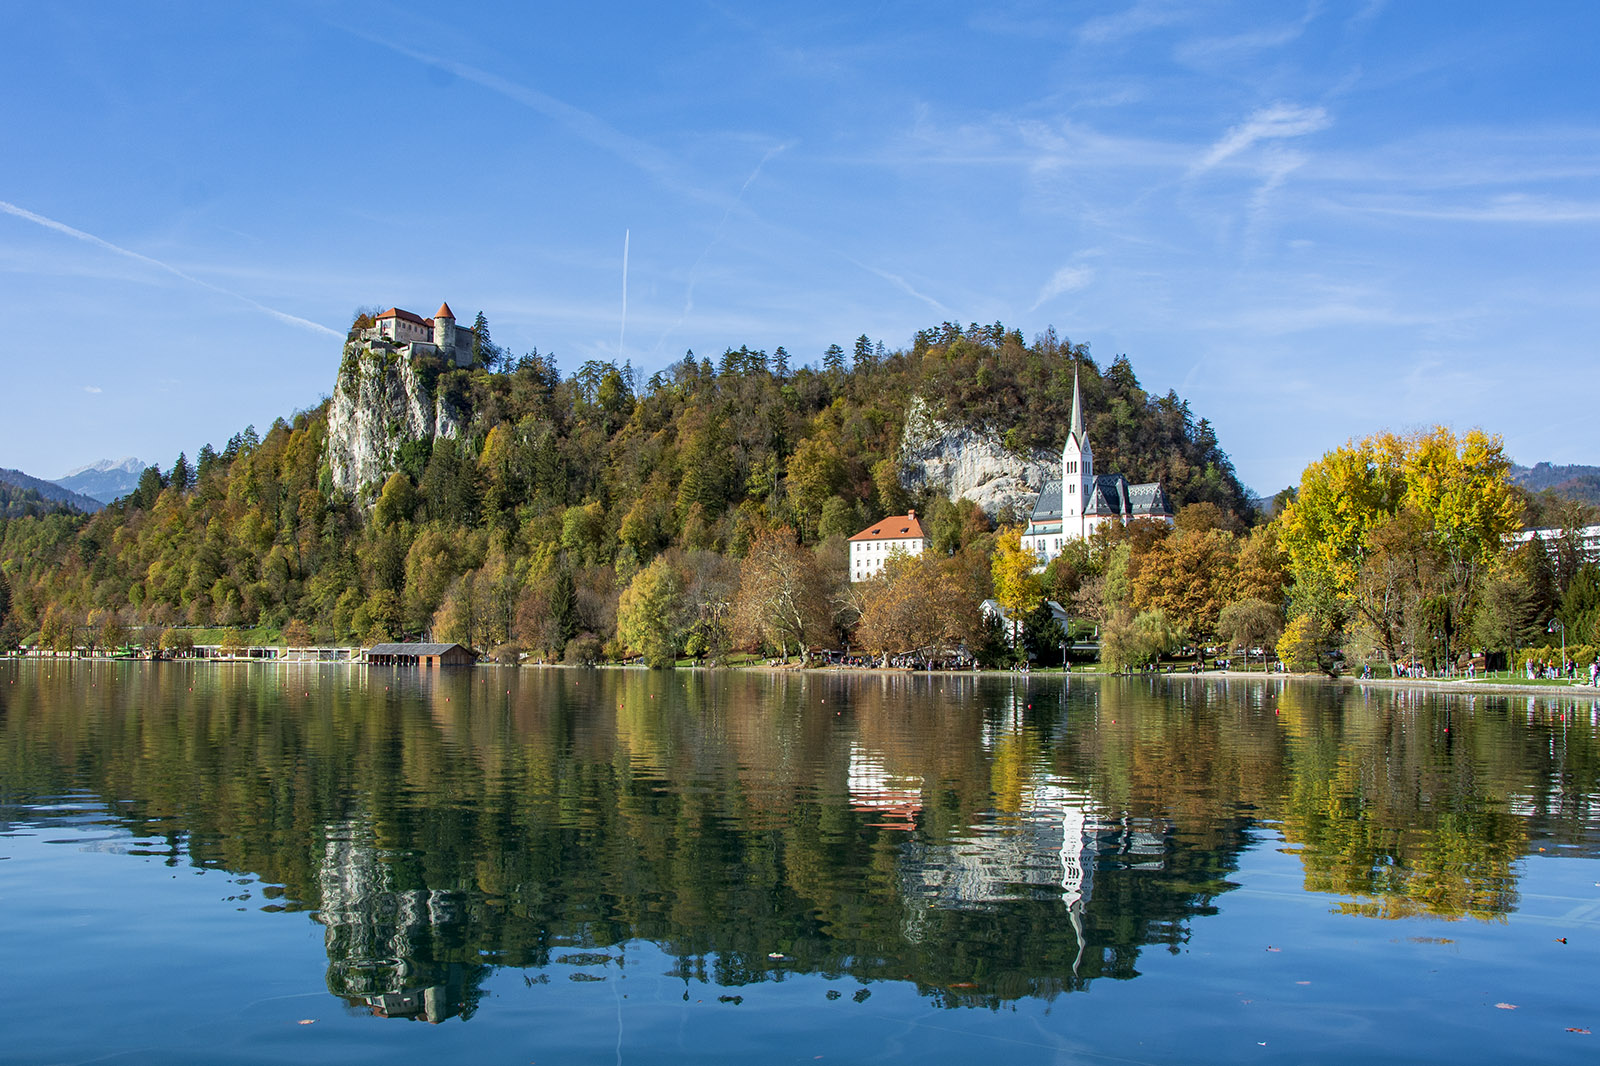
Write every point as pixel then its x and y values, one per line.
pixel 89 238
pixel 694 271
pixel 623 335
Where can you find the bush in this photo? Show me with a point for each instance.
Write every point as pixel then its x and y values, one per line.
pixel 583 650
pixel 507 654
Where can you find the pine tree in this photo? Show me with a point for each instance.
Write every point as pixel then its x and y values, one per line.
pixel 833 361
pixel 181 478
pixel 863 357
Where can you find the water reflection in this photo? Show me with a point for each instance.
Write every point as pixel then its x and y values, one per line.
pixel 982 839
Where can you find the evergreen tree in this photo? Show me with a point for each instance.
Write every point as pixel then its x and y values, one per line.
pixel 150 485
pixel 207 460
pixel 180 478
pixel 833 361
pixel 864 359
pixel 780 363
pixel 484 352
pixel 564 606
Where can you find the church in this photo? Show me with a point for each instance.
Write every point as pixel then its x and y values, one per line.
pixel 1083 501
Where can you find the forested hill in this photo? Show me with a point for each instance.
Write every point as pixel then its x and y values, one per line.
pixel 560 487
pixel 22 484
pixel 985 378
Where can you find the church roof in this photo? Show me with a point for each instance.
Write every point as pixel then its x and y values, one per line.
pixel 1047 508
pixel 898 527
pixel 444 312
pixel 1108 496
pixel 1149 501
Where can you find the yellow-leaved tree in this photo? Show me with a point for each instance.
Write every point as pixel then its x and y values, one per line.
pixel 1369 515
pixel 1017 588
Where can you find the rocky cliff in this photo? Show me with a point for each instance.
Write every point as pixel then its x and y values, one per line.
pixel 961 462
pixel 380 403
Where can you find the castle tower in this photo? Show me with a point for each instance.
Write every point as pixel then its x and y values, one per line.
pixel 1077 469
pixel 444 328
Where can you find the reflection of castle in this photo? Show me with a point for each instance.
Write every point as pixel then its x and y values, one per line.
pixel 381 940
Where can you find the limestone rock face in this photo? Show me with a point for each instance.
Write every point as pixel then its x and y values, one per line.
pixel 378 405
pixel 961 462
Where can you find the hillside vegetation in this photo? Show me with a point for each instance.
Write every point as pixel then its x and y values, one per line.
pixel 565 487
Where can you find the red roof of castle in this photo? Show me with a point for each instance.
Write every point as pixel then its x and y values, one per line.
pixel 444 312
pixel 900 527
pixel 395 312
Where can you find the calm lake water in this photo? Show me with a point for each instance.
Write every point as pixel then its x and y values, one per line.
pixel 219 864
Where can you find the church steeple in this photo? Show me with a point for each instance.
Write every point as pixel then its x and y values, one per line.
pixel 1075 430
pixel 1077 468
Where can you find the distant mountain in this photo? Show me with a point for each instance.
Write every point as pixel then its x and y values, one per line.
pixel 49 490
pixel 106 480
pixel 1576 482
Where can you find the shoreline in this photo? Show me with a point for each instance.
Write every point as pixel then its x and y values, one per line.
pixel 1572 690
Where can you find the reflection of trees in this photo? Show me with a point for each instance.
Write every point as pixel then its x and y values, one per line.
pixel 441 825
pixel 1403 804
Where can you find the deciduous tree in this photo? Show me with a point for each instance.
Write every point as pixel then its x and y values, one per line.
pixel 782 598
pixel 650 615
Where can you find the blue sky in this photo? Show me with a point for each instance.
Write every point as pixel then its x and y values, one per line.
pixel 1314 221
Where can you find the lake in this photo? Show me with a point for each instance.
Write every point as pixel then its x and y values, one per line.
pixel 249 863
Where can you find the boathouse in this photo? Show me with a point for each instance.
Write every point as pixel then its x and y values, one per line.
pixel 420 655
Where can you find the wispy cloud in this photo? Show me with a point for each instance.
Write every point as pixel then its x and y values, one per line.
pixel 581 123
pixel 694 271
pixel 93 389
pixel 1269 123
pixel 904 286
pixel 89 238
pixel 1070 278
pixel 1142 16
pixel 1204 50
pixel 1513 208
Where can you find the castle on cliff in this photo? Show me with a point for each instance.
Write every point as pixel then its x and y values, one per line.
pixel 438 335
pixel 1083 501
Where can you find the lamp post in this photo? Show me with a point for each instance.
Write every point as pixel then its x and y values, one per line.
pixel 1551 629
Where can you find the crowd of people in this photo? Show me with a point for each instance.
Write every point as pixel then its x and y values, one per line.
pixel 1551 670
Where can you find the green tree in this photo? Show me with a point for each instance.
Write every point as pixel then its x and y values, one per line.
pixel 1250 623
pixel 650 615
pixel 833 361
pixel 181 477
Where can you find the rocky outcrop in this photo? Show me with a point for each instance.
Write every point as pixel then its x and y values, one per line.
pixel 379 403
pixel 961 462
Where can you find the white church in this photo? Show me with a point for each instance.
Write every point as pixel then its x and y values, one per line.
pixel 1083 501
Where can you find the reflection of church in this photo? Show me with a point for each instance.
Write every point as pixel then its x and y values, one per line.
pixel 382 941
pixel 1050 848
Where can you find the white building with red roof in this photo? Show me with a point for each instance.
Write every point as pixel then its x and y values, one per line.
pixel 438 335
pixel 874 546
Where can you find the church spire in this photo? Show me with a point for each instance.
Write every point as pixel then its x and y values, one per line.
pixel 1075 430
